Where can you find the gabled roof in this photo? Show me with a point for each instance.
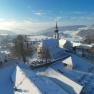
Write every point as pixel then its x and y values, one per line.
pixel 70 86
pixel 79 62
pixel 27 82
pixel 50 43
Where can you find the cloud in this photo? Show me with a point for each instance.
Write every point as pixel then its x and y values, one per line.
pixel 1 19
pixel 31 26
pixel 25 26
pixel 38 13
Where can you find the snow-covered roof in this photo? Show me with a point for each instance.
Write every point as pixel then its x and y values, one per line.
pixel 21 80
pixel 83 78
pixel 48 43
pixel 27 82
pixel 38 38
pixel 83 74
pixel 70 86
pixel 57 53
pixel 86 46
pixel 80 63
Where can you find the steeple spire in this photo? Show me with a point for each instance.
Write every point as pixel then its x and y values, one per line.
pixel 56 27
pixel 56 34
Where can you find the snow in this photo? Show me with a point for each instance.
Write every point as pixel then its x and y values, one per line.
pixel 57 53
pixel 17 78
pixel 88 46
pixel 50 43
pixel 68 61
pixel 21 80
pixel 6 86
pixel 54 80
pixel 28 83
pixel 36 38
pixel 6 70
pixel 72 85
pixel 83 78
pixel 82 73
pixel 80 63
pixel 62 42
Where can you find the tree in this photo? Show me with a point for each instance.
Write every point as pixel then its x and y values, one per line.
pixel 19 47
pixel 45 54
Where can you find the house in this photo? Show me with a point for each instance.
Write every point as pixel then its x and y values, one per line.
pixel 83 50
pixel 65 44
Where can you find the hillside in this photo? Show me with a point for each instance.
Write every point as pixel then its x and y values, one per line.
pixel 62 30
pixel 88 32
pixel 88 35
pixel 6 32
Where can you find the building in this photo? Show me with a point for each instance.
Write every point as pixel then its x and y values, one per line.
pixel 83 50
pixel 65 44
pixel 48 44
pixel 56 32
pixel 18 78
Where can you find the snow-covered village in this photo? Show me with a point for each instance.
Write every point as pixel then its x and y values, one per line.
pixel 46 65
pixel 46 47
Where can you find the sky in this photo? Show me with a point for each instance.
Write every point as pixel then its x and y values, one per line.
pixel 36 15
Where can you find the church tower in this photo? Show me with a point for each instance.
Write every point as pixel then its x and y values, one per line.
pixel 56 32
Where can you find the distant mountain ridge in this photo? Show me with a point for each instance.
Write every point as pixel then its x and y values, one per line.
pixel 6 32
pixel 62 30
pixel 85 33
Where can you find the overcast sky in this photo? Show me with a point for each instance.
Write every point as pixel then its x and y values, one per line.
pixel 36 15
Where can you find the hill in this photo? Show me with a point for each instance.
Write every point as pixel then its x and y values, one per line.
pixel 6 32
pixel 87 35
pixel 62 30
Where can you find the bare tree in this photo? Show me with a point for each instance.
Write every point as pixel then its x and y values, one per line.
pixel 48 56
pixel 45 54
pixel 19 47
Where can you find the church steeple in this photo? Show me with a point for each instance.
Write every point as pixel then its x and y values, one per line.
pixel 56 28
pixel 56 32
